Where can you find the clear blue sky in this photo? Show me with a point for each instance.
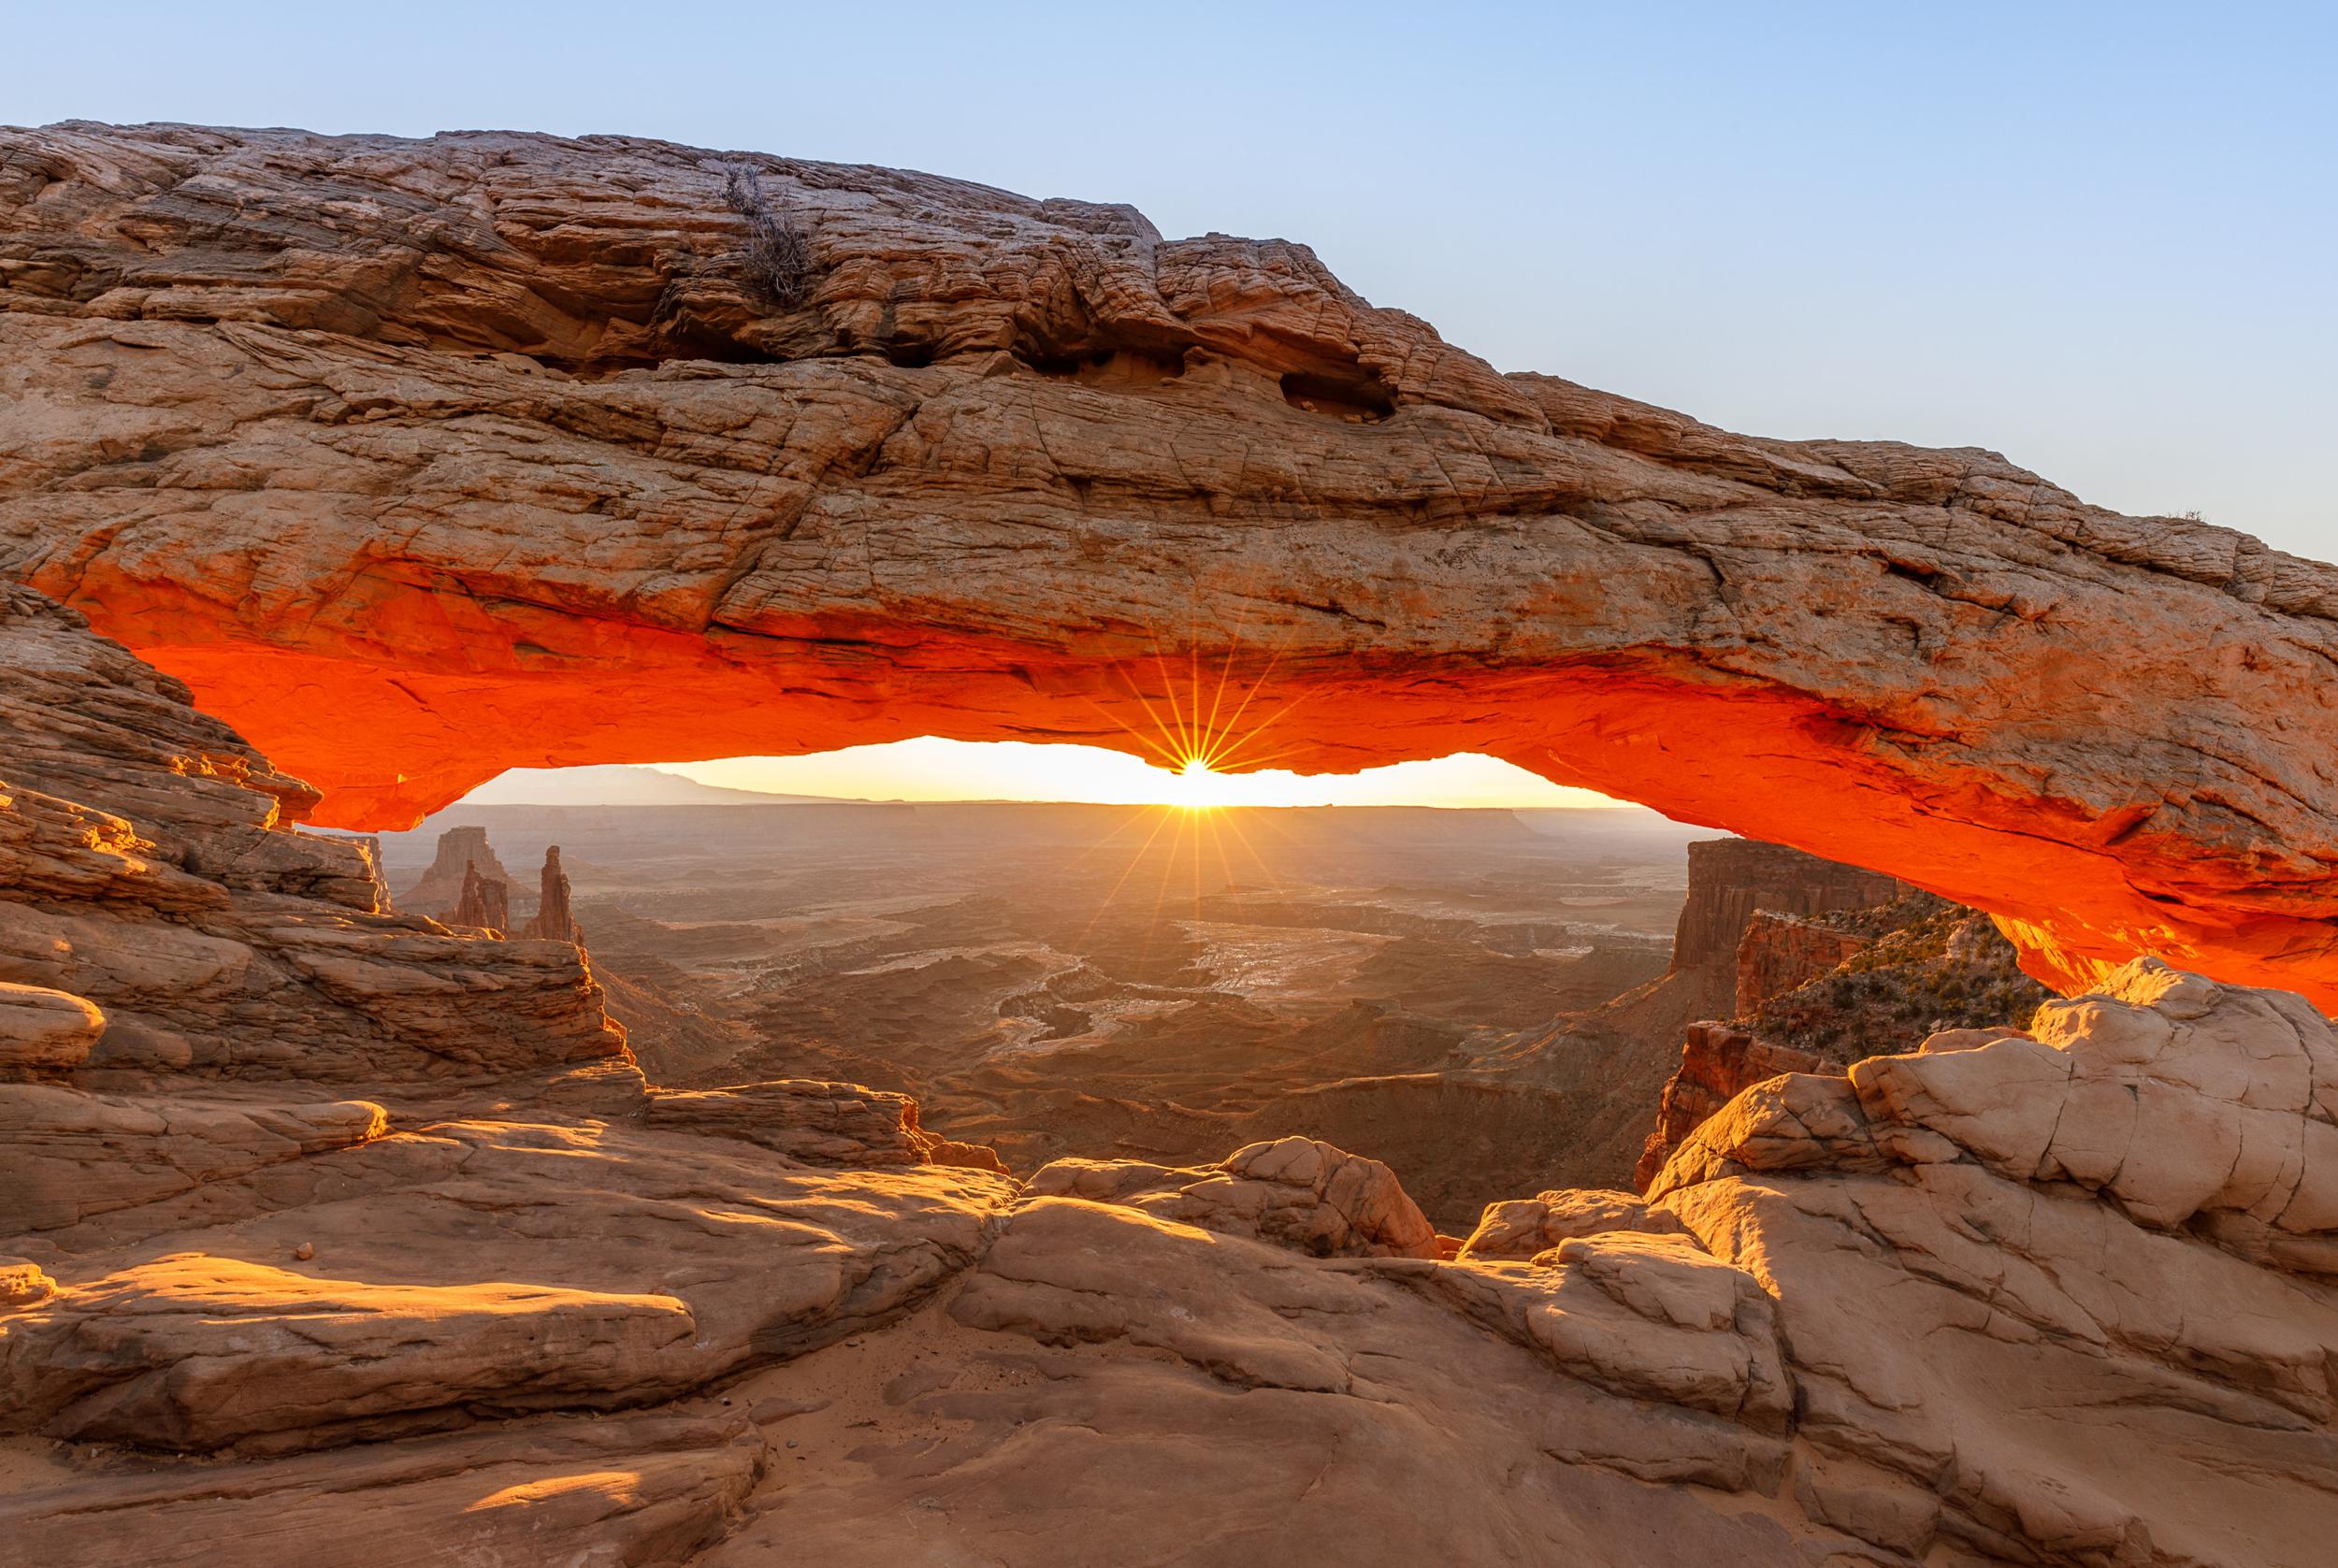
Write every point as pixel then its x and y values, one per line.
pixel 2101 238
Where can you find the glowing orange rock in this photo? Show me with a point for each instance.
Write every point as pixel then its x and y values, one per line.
pixel 505 464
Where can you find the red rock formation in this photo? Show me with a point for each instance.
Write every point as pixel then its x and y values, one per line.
pixel 573 489
pixel 1815 993
pixel 188 988
pixel 1779 952
pixel 441 887
pixel 1718 1062
pixel 146 870
pixel 1729 879
pixel 484 903
pixel 553 921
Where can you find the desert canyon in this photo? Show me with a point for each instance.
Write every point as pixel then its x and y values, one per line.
pixel 1943 1173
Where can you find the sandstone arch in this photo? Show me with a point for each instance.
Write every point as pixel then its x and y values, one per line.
pixel 419 460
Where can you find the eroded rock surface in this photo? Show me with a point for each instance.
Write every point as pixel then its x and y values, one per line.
pixel 147 872
pixel 484 904
pixel 214 1244
pixel 555 920
pixel 573 487
pixel 2141 1229
pixel 1525 1228
pixel 1814 994
pixel 1731 882
pixel 1300 1192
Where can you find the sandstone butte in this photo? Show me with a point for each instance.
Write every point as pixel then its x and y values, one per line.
pixel 418 460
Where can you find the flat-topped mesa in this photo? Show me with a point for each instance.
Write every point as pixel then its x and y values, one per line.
pixel 574 487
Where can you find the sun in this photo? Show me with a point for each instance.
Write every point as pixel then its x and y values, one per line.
pixel 1196 786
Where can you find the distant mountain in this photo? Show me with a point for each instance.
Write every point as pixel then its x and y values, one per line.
pixel 614 784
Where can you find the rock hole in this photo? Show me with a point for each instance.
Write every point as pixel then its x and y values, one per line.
pixel 1114 367
pixel 1359 397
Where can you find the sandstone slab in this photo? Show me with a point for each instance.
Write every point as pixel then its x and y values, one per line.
pixel 43 1028
pixel 1300 1192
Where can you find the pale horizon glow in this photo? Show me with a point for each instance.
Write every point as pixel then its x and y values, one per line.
pixel 931 769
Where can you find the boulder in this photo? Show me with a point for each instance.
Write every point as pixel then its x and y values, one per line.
pixel 40 1027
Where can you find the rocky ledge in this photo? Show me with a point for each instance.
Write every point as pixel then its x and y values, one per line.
pixel 340 1236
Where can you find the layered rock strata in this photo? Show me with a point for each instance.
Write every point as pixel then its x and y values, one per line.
pixel 573 487
pixel 214 1243
pixel 1718 1062
pixel 1298 1192
pixel 1781 952
pixel 1818 992
pixel 332 1233
pixel 1731 881
pixel 146 871
pixel 555 919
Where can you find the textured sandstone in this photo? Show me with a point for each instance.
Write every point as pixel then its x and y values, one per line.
pixel 1207 1398
pixel 639 1264
pixel 195 1351
pixel 1299 1192
pixel 553 921
pixel 1522 1228
pixel 2062 1296
pixel 818 1123
pixel 1733 880
pixel 2188 1103
pixel 146 870
pixel 1653 1318
pixel 1718 1062
pixel 1927 1260
pixel 41 1028
pixel 216 1254
pixel 22 1283
pixel 423 459
pixel 73 1153
pixel 1818 992
pixel 1791 1121
pixel 647 1491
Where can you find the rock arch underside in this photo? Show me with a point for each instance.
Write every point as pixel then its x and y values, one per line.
pixel 330 1233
